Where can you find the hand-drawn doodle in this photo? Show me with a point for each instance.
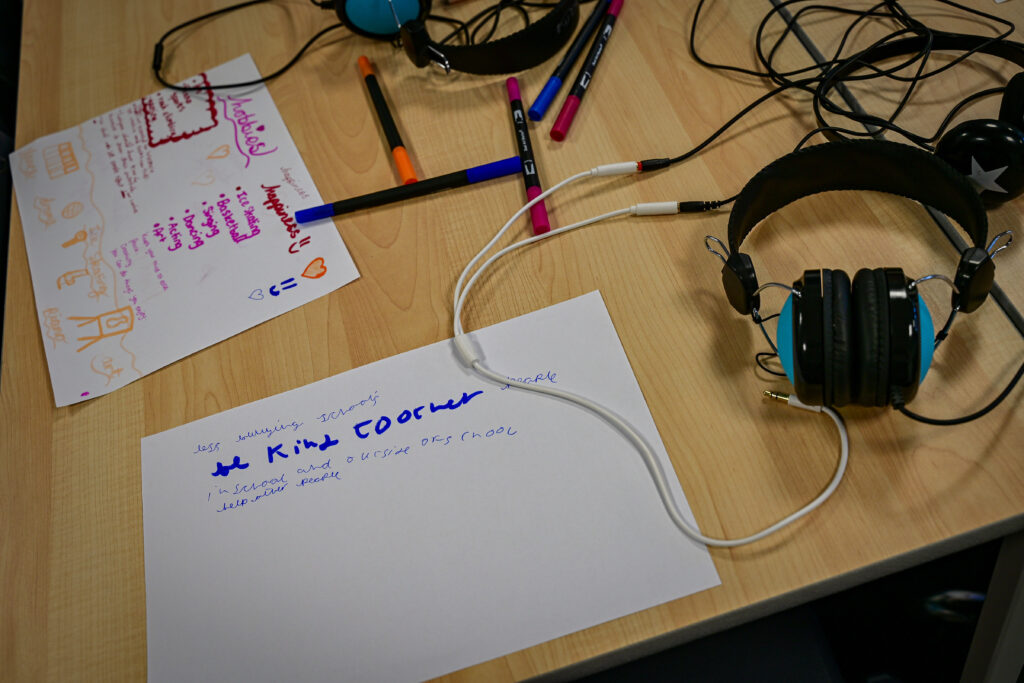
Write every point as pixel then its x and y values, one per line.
pixel 220 153
pixel 43 210
pixel 71 210
pixel 69 277
pixel 59 160
pixel 52 326
pixel 315 269
pixel 285 284
pixel 104 365
pixel 27 162
pixel 109 324
pixel 80 236
pixel 205 179
pixel 175 116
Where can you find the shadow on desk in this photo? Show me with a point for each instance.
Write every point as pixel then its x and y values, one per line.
pixel 912 627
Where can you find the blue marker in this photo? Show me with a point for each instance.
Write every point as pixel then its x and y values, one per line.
pixel 554 84
pixel 476 174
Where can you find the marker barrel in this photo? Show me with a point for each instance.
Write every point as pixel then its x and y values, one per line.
pixel 554 84
pixel 391 195
pixel 531 178
pixel 387 123
pixel 586 74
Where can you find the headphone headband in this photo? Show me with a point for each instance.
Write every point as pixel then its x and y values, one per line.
pixel 877 165
pixel 518 51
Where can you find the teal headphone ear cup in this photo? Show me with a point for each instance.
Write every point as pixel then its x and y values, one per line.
pixel 376 18
pixel 927 337
pixel 864 350
pixel 784 337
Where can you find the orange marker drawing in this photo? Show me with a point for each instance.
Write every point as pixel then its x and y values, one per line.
pixel 71 210
pixel 398 153
pixel 60 160
pixel 219 153
pixel 106 367
pixel 205 179
pixel 69 277
pixel 43 210
pixel 80 236
pixel 315 269
pixel 109 324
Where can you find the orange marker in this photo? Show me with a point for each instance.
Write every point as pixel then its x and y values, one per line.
pixel 398 152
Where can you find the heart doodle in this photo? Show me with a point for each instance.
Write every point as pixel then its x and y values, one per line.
pixel 315 269
pixel 256 295
pixel 205 179
pixel 219 153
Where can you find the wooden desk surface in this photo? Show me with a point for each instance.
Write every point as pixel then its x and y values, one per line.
pixel 71 560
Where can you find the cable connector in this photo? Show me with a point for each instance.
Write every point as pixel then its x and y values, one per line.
pixel 621 168
pixel 699 206
pixel 653 164
pixel 791 401
pixel 466 350
pixel 654 209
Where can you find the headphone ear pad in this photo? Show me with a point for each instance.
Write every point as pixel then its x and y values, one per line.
pixel 870 372
pixel 375 19
pixel 1011 109
pixel 839 374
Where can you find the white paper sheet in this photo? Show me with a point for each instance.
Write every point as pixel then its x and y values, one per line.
pixel 444 538
pixel 165 226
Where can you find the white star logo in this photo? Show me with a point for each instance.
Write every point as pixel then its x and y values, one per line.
pixel 985 180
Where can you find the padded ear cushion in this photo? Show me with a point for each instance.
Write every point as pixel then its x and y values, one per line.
pixel 871 337
pixel 840 371
pixel 1011 110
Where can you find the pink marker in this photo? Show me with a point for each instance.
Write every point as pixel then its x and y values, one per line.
pixel 583 78
pixel 538 214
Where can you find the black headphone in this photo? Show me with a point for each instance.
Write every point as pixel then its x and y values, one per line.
pixel 867 342
pixel 988 151
pixel 380 19
pixel 517 51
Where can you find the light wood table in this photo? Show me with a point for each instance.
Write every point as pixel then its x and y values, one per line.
pixel 71 559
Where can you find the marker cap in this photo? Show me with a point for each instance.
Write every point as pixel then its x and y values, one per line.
pixel 538 212
pixel 544 99
pixel 565 117
pixel 314 214
pixel 404 165
pixel 495 169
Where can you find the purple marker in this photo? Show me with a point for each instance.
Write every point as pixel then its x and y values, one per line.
pixel 538 214
pixel 583 78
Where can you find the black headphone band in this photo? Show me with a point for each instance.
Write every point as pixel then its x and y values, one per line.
pixel 517 51
pixel 877 165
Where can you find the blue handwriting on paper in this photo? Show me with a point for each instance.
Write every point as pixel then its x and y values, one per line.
pixel 270 431
pixel 236 464
pixel 341 412
pixel 266 488
pixel 326 476
pixel 546 376
pixel 300 446
pixel 468 435
pixel 384 422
